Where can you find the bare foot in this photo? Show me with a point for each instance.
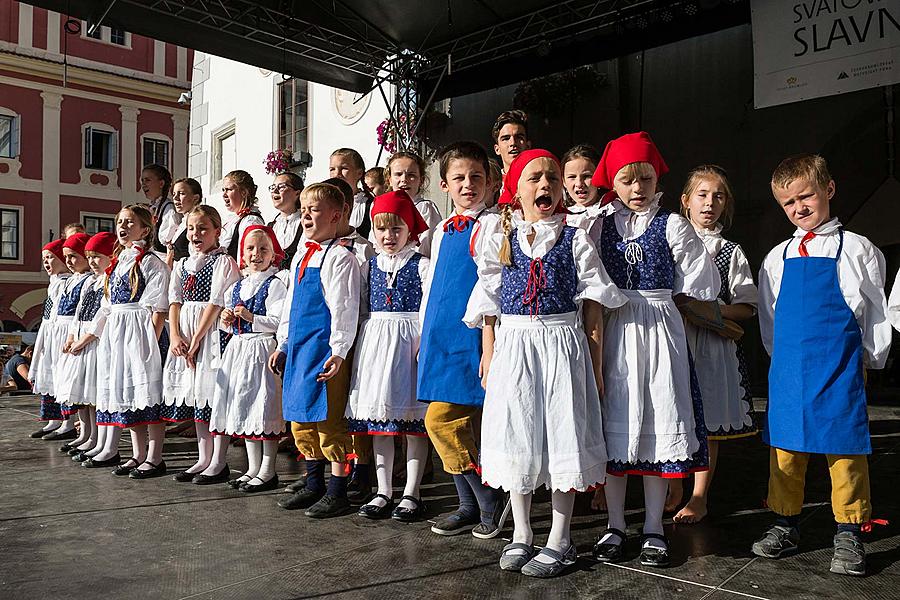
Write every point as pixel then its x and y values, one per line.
pixel 598 502
pixel 675 495
pixel 693 511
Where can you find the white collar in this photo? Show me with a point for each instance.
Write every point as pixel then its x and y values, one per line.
pixel 828 227
pixel 254 277
pixel 654 204
pixel 294 216
pixel 715 232
pixel 546 232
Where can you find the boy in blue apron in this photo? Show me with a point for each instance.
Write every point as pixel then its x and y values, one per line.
pixel 319 324
pixel 822 316
pixel 449 373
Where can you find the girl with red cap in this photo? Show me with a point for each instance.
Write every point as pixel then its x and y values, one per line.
pixel 79 370
pixel 49 342
pixel 247 402
pixel 541 287
pixel 383 400
pixel 130 389
pixel 652 416
pixel 196 297
pixel 81 280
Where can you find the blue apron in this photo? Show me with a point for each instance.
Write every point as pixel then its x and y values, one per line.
pixel 450 352
pixel 304 399
pixel 817 397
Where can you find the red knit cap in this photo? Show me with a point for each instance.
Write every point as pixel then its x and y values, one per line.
pixel 279 253
pixel 102 243
pixel 399 203
pixel 55 247
pixel 77 242
pixel 630 148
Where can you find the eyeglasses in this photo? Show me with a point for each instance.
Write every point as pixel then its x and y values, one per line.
pixel 280 187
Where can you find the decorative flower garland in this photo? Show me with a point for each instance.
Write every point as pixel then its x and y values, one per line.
pixel 279 161
pixel 387 135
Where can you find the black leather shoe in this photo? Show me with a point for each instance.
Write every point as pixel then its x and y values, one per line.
pixel 329 506
pixel 74 450
pixel 54 436
pixel 157 470
pixel 81 456
pixel 68 446
pixel 654 557
pixel 220 477
pixel 40 433
pixel 302 499
pixel 409 515
pixel 184 477
pixel 236 483
pixel 297 485
pixel 265 486
pixel 123 470
pixel 93 463
pixel 372 511
pixel 610 552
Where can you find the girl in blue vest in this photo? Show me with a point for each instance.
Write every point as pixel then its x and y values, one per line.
pixel 450 369
pixel 248 395
pixel 317 331
pixel 196 297
pixel 542 423
pixel 652 411
pixel 383 385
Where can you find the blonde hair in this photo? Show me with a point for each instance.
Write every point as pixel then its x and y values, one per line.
pixel 144 217
pixel 205 210
pixel 244 181
pixel 709 173
pixel 801 166
pixel 387 220
pixel 324 192
pixel 636 170
pixel 505 255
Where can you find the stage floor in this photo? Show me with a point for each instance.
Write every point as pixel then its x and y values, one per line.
pixel 69 532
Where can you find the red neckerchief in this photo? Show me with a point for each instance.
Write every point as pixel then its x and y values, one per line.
pixel 115 260
pixel 311 248
pixel 457 222
pixel 243 212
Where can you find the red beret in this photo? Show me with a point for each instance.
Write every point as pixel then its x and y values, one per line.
pixel 630 148
pixel 279 253
pixel 77 242
pixel 102 243
pixel 55 247
pixel 399 203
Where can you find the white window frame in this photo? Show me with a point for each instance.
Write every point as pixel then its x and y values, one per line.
pixel 21 226
pixel 218 136
pixel 86 130
pixel 105 36
pixel 16 138
pixel 95 215
pixel 158 137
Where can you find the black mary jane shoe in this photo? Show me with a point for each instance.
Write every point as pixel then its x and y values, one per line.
pixel 40 433
pixel 375 512
pixel 236 484
pixel 81 456
pixel 56 436
pixel 608 551
pixel 184 477
pixel 265 486
pixel 68 446
pixel 157 470
pixel 93 463
pixel 652 556
pixel 409 515
pixel 220 477
pixel 124 469
pixel 74 450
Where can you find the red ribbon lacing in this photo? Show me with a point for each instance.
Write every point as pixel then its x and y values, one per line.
pixel 388 298
pixel 476 468
pixel 537 281
pixel 459 223
pixel 867 526
pixel 190 282
pixel 311 248
pixel 348 466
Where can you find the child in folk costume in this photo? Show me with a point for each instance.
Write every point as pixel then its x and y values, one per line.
pixel 823 317
pixel 542 424
pixel 317 330
pixel 586 200
pixel 78 369
pixel 69 373
pixel 406 171
pixel 348 164
pixel 248 395
pixel 708 203
pixel 196 297
pixel 652 412
pixel 239 194
pixel 450 367
pixel 130 394
pixel 285 192
pixel 49 343
pixel 156 184
pixel 186 195
pixel 382 400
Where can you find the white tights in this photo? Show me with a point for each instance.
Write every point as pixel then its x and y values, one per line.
pixel 655 489
pixel 416 456
pixel 559 539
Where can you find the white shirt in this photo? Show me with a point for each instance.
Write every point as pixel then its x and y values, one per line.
pixel 286 227
pixel 589 218
pixel 593 281
pixel 740 276
pixel 168 224
pixel 695 272
pixel 156 277
pixel 432 216
pixel 225 274
pixel 55 291
pixel 269 322
pixel 860 276
pixel 358 210
pixel 229 223
pixel 340 276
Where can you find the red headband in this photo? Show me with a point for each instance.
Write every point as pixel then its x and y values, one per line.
pixel 77 242
pixel 102 243
pixel 55 247
pixel 279 253
pixel 628 149
pixel 511 181
pixel 399 203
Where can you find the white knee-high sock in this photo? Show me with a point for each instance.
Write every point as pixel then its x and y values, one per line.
pixel 655 489
pixel 615 503
pixel 139 437
pixel 204 447
pixel 101 441
pixel 220 453
pixel 416 458
pixel 111 443
pixel 267 464
pixel 254 458
pixel 155 443
pixel 521 511
pixel 51 425
pixel 563 503
pixel 383 449
pixel 84 432
pixel 68 424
